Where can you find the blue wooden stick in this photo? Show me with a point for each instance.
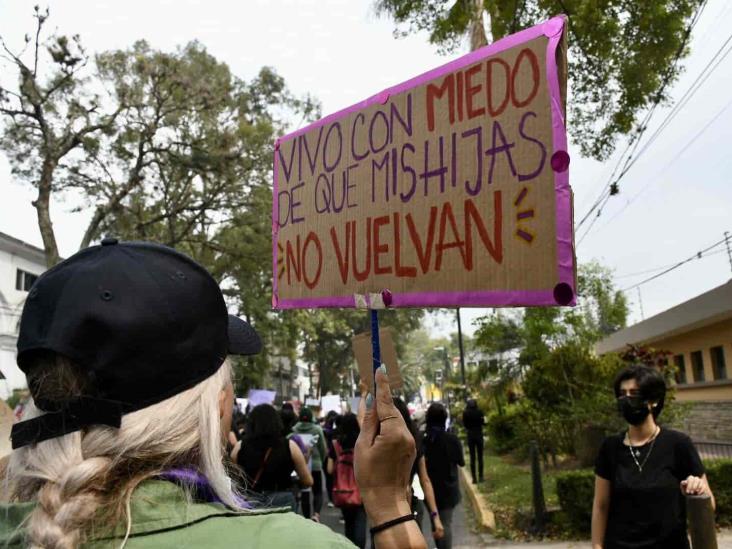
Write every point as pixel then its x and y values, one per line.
pixel 375 346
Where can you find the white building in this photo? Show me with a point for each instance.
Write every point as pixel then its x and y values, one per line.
pixel 290 383
pixel 20 266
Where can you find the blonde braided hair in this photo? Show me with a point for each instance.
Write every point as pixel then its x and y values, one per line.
pixel 83 481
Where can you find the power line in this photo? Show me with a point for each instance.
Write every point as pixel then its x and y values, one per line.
pixel 686 146
pixel 697 255
pixel 641 128
pixel 685 98
pixel 654 269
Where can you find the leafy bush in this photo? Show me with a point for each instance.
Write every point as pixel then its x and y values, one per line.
pixel 575 491
pixel 504 430
pixel 719 473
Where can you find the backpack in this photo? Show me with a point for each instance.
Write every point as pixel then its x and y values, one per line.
pixel 345 489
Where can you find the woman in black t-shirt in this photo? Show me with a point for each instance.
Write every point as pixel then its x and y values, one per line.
pixel 642 474
pixel 443 453
pixel 420 469
pixel 268 459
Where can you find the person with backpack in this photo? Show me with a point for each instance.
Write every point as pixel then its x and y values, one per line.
pixel 268 459
pixel 314 438
pixel 346 495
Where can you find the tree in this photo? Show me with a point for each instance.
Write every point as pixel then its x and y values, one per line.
pixel 622 55
pixel 601 309
pixel 48 119
pixel 327 337
pixel 164 146
pixel 176 153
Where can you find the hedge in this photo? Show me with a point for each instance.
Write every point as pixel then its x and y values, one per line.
pixel 575 491
pixel 719 473
pixel 503 430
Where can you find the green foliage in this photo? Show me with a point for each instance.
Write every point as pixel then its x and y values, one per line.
pixel 504 430
pixel 566 387
pixel 719 474
pixel 600 311
pixel 621 54
pixel 508 492
pixel 576 491
pixel 16 397
pixel 327 337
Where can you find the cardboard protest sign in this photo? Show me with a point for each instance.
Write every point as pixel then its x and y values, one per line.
pixel 364 358
pixel 450 189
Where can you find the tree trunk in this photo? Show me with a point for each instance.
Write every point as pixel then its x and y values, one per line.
pixel 478 39
pixel 42 206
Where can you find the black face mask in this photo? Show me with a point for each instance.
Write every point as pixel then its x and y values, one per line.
pixel 633 409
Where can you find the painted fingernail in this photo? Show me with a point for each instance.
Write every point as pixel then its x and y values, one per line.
pixel 369 401
pixel 383 369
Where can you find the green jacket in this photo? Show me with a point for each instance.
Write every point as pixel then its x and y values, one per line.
pixel 320 450
pixel 163 516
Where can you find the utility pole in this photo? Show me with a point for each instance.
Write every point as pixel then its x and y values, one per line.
pixel 462 353
pixel 640 302
pixel 729 250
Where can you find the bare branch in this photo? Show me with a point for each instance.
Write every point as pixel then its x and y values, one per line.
pixel 40 20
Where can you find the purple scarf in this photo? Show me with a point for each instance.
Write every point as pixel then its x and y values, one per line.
pixel 198 484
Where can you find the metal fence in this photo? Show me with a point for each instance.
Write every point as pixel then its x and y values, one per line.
pixel 713 450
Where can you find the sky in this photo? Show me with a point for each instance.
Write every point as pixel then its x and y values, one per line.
pixel 674 202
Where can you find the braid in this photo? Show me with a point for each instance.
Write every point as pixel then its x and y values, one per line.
pixel 83 481
pixel 67 506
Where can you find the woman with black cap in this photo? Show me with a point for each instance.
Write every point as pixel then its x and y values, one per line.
pixel 643 473
pixel 124 346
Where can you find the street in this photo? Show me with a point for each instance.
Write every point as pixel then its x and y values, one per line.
pixel 464 537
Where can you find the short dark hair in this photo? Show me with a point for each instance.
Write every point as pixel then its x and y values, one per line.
pixel 436 415
pixel 650 382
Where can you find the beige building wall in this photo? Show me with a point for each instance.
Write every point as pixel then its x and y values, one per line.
pixel 702 339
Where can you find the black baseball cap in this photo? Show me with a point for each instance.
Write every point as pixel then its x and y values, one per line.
pixel 144 321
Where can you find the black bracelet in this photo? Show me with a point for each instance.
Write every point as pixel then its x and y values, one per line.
pixel 380 527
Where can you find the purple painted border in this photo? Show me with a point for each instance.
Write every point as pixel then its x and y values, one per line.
pixel 565 247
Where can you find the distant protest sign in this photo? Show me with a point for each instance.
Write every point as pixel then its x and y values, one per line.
pixel 256 397
pixel 364 358
pixel 450 189
pixel 330 402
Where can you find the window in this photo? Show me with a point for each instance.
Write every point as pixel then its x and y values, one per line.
pixel 697 366
pixel 24 280
pixel 681 368
pixel 718 366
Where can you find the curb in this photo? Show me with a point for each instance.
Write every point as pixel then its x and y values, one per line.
pixel 485 517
